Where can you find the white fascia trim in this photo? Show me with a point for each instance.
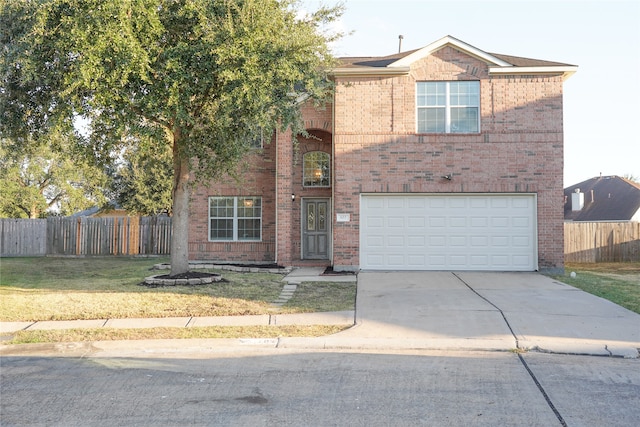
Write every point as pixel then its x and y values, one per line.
pixel 448 40
pixel 567 71
pixel 373 71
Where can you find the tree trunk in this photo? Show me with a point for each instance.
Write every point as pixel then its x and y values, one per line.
pixel 180 219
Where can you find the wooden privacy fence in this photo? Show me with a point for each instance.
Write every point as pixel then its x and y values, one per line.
pixel 86 236
pixel 23 237
pixel 601 241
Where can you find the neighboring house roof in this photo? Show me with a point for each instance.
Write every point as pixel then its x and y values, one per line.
pixel 606 198
pixel 113 209
pixel 400 63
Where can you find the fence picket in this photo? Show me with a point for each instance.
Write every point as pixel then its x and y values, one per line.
pixel 85 236
pixel 601 241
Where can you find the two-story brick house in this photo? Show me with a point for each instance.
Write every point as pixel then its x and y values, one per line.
pixel 442 158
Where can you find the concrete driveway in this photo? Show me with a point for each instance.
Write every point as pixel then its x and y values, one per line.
pixel 485 311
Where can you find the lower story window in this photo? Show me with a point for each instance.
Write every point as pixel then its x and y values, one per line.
pixel 235 219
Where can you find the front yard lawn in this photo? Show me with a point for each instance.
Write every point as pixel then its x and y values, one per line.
pixel 617 282
pixel 37 289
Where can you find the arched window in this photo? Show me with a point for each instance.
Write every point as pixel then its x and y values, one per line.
pixel 316 169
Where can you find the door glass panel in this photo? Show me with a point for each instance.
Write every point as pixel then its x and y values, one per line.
pixel 311 217
pixel 322 214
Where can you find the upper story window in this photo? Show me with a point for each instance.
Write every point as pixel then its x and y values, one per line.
pixel 448 107
pixel 316 169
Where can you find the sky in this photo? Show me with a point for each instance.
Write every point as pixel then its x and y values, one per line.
pixel 601 101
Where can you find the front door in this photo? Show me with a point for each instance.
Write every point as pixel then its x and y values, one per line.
pixel 315 228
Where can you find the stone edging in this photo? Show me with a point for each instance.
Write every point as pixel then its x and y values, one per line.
pixel 159 281
pixel 236 268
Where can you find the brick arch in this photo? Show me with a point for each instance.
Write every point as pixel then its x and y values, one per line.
pixel 320 140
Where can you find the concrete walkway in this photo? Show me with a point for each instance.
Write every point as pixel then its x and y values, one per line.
pixel 439 310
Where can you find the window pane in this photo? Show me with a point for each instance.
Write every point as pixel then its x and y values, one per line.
pixel 249 229
pixel 249 207
pixel 431 94
pixel 431 120
pixel 221 229
pixel 316 169
pixel 464 93
pixel 221 207
pixel 249 218
pixel 464 120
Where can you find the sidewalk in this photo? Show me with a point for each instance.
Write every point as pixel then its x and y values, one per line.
pixel 296 276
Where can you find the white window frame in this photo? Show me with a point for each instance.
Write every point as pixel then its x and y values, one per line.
pixel 447 106
pixel 237 201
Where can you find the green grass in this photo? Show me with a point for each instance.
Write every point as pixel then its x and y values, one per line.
pixel 616 282
pixel 39 289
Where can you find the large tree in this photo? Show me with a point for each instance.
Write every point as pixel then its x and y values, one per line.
pixel 202 76
pixel 47 178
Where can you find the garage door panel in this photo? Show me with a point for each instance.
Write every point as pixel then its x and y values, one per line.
pixel 375 241
pixel 457 221
pixel 417 241
pixel 418 222
pixel 375 222
pixel 479 221
pixel 442 232
pixel 396 241
pixel 437 221
pixel 458 203
pixel 479 203
pixel 396 203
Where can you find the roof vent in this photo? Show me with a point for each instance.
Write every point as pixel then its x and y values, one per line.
pixel 577 200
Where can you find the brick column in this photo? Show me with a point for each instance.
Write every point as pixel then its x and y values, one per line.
pixel 284 204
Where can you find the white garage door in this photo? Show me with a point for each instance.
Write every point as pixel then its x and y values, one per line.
pixel 448 232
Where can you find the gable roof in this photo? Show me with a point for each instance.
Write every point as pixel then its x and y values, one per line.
pixel 400 63
pixel 606 198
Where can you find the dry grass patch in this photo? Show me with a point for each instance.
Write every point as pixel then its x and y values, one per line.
pixel 40 289
pixel 108 334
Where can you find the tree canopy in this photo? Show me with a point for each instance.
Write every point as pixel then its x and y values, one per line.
pixel 199 76
pixel 142 182
pixel 43 180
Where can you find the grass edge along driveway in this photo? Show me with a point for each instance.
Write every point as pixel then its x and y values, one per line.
pixel 616 282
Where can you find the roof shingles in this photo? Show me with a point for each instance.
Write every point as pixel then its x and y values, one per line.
pixel 606 198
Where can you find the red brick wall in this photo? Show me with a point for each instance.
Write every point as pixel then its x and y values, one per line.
pixel 257 178
pixel 519 149
pixel 260 177
pixel 318 123
pixel 376 150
